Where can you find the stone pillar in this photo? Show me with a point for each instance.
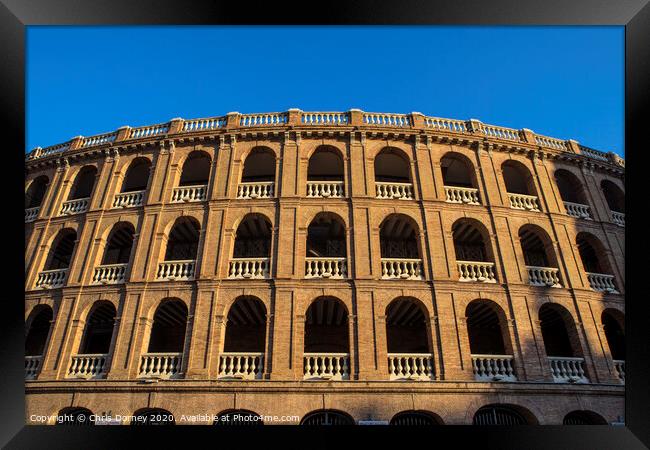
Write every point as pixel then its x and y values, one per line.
pixel 283 356
pixel 198 355
pixel 364 263
pixel 523 334
pixel 358 185
pixel 456 360
pixel 298 346
pixel 53 352
pixel 352 338
pixel 216 345
pixel 288 260
pixel 290 162
pixel 369 365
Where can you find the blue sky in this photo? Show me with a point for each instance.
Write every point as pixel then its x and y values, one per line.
pixel 564 82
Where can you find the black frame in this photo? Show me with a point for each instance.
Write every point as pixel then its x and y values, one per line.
pixel 633 14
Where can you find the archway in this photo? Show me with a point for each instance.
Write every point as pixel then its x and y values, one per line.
pixel 326 340
pixel 327 417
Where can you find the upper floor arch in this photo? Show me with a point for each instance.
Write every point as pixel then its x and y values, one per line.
pixel 392 165
pixel 35 192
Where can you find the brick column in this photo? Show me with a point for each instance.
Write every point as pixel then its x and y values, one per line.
pixel 199 337
pixel 283 355
pixel 354 356
pixel 216 345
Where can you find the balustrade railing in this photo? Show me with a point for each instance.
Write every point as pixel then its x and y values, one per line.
pixel 325 189
pixel 31 214
pixel 544 276
pixel 100 139
pixel 77 206
pixel 401 269
pixel 327 267
pixel 88 366
pixel 249 268
pixel 110 274
pixel 239 365
pixel 176 270
pixel 324 118
pixel 619 365
pixel 501 132
pixel 457 194
pixel 493 368
pixel 568 370
pixel 387 120
pixel 455 126
pixel 618 218
pixel 263 189
pixel 160 365
pixel 128 199
pixel 211 123
pixel 190 193
pixel 595 154
pixel 410 366
pixel 153 130
pixel 578 210
pixel 476 271
pixel 602 282
pixel 326 366
pixel 253 120
pixel 546 141
pixel 525 202
pixel 32 366
pixel 401 191
pixel 49 279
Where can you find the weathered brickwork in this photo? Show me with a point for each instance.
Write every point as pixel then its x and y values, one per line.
pixel 453 229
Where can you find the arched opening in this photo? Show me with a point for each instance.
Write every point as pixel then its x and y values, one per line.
pixel 152 416
pixel 120 242
pixel 459 179
pixel 325 164
pixel 196 169
pixel 327 344
pixel 137 175
pixel 473 256
pixel 489 342
pixel 562 344
pixel 62 249
pixel 408 340
pixel 539 256
pixel 183 241
pixel 415 418
pixel 83 183
pixel 259 166
pixel 99 329
pixel 245 341
pixel 399 247
pixel 253 238
pixel 503 415
pixel 168 329
pixel 326 247
pixel 327 417
pixel 38 329
pixel 614 196
pixel 393 175
pixel 572 192
pixel 238 417
pixel 583 418
pixel 520 186
pixel 594 260
pixel 74 416
pixel 36 192
pixel 613 324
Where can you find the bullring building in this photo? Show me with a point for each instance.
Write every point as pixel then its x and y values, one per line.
pixel 324 268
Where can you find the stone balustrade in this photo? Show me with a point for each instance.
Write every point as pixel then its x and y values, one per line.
pixel 456 194
pixel 99 139
pixel 401 269
pixel 88 366
pixel 493 368
pixel 110 274
pixel 328 267
pixel 249 268
pixel 31 214
pixel 243 366
pixel 32 366
pixel 211 123
pixel 568 370
pixel 619 365
pixel 410 366
pixel 602 282
pixel 454 126
pixel 401 191
pixel 176 270
pixel 160 365
pixel 578 210
pixel 476 271
pixel 326 366
pixel 387 120
pixel 334 189
pixel 550 142
pixel 50 279
pixel 263 189
pixel 254 120
pixel 501 132
pixel 525 202
pixel 190 193
pixel 77 206
pixel 324 118
pixel 150 131
pixel 592 153
pixel 543 276
pixel 618 218
pixel 128 199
